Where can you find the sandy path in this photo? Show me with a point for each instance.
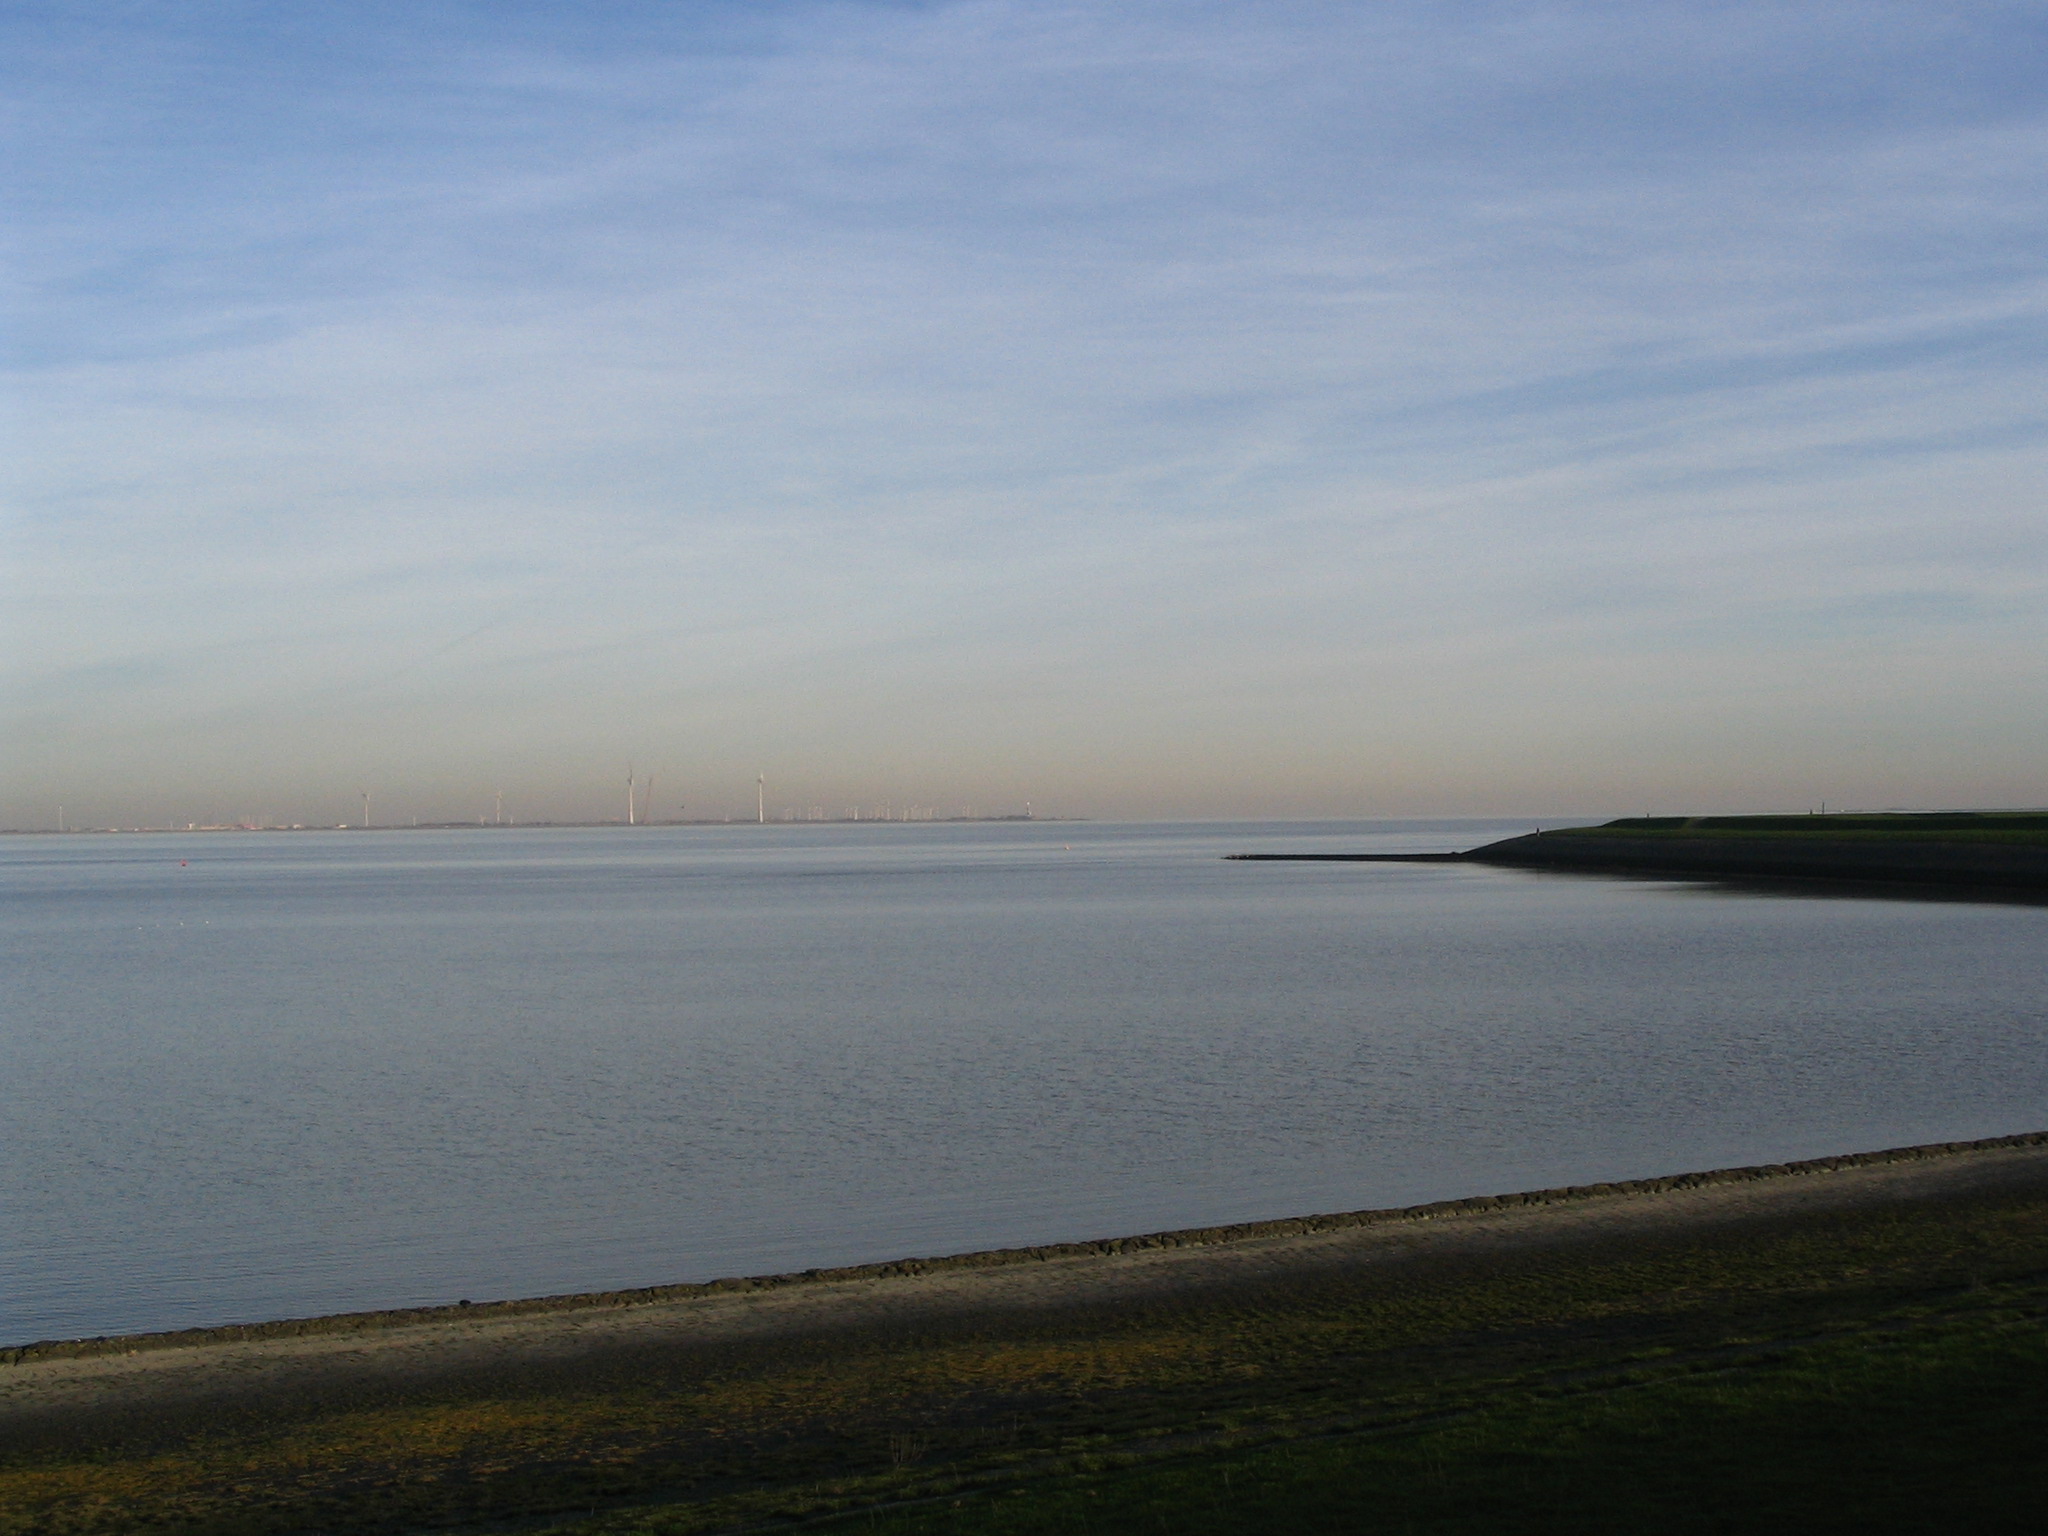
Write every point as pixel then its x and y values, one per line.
pixel 448 1344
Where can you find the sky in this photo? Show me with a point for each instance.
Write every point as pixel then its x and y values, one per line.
pixel 1260 409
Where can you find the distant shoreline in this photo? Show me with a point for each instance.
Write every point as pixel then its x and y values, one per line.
pixel 530 826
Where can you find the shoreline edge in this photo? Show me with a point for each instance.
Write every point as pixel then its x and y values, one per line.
pixel 992 1258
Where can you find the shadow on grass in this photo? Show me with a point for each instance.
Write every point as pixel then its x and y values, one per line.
pixel 1936 1431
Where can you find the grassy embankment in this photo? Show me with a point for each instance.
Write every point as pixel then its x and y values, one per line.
pixel 1988 850
pixel 2022 827
pixel 1873 1369
pixel 1934 1429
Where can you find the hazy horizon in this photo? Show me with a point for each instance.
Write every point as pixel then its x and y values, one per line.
pixel 800 817
pixel 1143 411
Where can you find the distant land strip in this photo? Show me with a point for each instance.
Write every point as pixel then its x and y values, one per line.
pixel 557 826
pixel 1186 1237
pixel 2005 850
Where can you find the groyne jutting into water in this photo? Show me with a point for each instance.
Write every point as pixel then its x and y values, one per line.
pixel 2003 849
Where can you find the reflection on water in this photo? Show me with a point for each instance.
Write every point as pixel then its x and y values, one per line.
pixel 301 1073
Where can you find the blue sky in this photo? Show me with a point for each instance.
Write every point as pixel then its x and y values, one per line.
pixel 1141 409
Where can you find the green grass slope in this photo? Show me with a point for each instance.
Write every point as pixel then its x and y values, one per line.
pixel 1934 1427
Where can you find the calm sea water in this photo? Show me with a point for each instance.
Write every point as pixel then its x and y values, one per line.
pixel 259 1076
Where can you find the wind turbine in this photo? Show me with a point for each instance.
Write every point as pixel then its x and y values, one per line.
pixel 366 808
pixel 629 795
pixel 761 798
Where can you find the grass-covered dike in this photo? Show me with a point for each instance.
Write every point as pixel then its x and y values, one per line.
pixel 2017 827
pixel 1857 1344
pixel 2004 851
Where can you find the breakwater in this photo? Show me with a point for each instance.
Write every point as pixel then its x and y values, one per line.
pixel 1807 857
pixel 2008 852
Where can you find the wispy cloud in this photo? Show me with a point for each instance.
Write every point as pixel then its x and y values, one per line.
pixel 1330 370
